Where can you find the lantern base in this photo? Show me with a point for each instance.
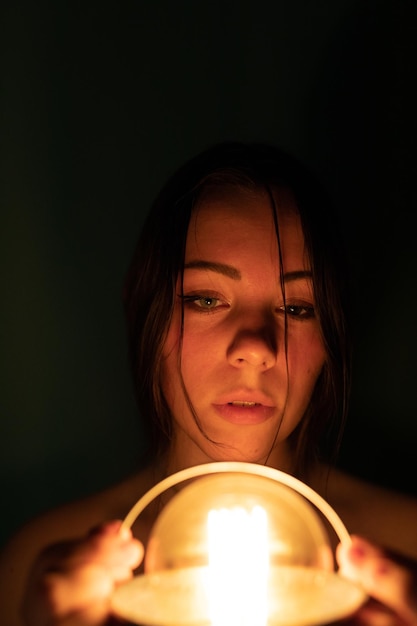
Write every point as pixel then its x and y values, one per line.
pixel 297 596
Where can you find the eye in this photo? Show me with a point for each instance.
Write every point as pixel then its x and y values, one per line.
pixel 201 302
pixel 206 302
pixel 298 311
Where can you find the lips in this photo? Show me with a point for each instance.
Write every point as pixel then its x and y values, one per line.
pixel 245 396
pixel 245 407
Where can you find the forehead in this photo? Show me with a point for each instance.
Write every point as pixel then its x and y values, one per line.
pixel 233 221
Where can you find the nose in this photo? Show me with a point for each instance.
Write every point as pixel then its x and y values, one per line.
pixel 253 347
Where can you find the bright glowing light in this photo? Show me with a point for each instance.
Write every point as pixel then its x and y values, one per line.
pixel 238 566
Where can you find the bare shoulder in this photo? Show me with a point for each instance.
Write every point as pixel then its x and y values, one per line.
pixel 385 516
pixel 70 521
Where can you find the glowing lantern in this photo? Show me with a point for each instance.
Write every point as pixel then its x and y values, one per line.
pixel 241 546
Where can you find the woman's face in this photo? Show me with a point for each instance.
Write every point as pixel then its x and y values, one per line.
pixel 247 391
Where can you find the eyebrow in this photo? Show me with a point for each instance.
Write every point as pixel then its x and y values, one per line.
pixel 220 268
pixel 297 275
pixel 234 273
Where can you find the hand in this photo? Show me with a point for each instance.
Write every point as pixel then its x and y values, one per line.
pixel 71 582
pixel 390 581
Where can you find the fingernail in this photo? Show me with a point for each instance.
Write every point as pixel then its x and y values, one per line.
pixel 357 552
pixel 358 549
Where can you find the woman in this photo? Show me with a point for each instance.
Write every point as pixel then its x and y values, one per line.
pixel 236 308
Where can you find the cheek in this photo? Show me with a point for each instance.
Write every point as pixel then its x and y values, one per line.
pixel 307 361
pixel 170 359
pixel 184 358
pixel 317 359
pixel 197 359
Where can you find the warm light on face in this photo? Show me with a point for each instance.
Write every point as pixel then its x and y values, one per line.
pixel 238 566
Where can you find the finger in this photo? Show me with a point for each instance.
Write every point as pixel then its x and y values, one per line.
pixel 111 546
pixel 75 591
pixel 79 576
pixel 116 549
pixel 387 580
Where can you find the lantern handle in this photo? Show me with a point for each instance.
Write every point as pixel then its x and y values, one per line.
pixel 247 468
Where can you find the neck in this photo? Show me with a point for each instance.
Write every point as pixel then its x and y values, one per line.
pixel 181 455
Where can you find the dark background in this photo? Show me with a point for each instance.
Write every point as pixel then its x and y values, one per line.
pixel 100 103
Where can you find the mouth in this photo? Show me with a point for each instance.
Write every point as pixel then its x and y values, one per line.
pixel 244 404
pixel 244 412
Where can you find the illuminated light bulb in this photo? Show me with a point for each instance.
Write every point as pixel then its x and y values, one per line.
pixel 241 545
pixel 238 566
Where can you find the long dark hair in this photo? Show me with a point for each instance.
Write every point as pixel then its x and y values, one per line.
pixel 149 292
